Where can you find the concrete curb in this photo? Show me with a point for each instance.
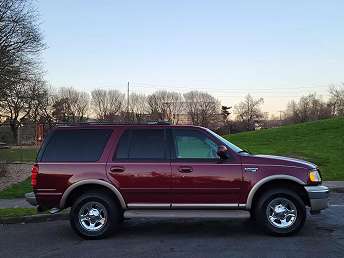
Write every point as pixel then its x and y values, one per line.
pixel 337 189
pixel 34 218
pixel 335 186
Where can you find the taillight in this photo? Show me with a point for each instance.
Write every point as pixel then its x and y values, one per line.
pixel 34 175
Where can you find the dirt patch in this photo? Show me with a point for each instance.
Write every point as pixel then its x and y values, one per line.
pixel 15 173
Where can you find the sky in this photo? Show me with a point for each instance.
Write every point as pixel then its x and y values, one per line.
pixel 278 50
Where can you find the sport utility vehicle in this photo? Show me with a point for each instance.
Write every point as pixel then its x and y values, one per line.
pixel 103 171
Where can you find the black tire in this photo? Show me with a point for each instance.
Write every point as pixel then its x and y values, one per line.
pixel 253 215
pixel 113 215
pixel 275 195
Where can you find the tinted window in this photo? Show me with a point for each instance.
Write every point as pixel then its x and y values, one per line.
pixel 144 144
pixel 192 144
pixel 84 145
pixel 123 146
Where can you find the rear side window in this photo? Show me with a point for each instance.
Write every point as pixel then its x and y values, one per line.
pixel 142 144
pixel 84 145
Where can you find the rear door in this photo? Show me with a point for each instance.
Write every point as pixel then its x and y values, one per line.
pixel 200 178
pixel 69 155
pixel 141 168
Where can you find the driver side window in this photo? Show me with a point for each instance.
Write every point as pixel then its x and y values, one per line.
pixel 192 144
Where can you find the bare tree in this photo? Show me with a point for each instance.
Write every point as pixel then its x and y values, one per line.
pixel 165 105
pixel 107 104
pixel 202 107
pixel 82 105
pixel 138 106
pixel 156 105
pixel 70 105
pixel 308 108
pixel 20 102
pixel 20 43
pixel 336 100
pixel 173 106
pixel 249 112
pixel 39 101
pixel 43 108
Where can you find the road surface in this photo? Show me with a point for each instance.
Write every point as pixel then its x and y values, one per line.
pixel 322 236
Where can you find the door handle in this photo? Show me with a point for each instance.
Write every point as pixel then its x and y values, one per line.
pixel 252 170
pixel 185 169
pixel 117 169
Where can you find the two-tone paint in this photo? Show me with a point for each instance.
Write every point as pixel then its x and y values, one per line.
pixel 170 183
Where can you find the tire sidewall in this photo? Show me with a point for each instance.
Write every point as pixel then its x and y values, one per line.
pixel 112 221
pixel 264 221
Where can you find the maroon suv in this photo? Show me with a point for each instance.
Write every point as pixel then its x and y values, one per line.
pixel 103 171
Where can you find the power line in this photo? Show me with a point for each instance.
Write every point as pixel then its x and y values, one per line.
pixel 149 85
pixel 243 94
pixel 231 91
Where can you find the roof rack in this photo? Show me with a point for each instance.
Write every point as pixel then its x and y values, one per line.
pixel 159 122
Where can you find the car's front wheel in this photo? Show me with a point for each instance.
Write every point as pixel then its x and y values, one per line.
pixel 95 215
pixel 280 212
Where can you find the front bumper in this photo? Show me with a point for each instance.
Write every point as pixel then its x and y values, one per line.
pixel 31 198
pixel 318 197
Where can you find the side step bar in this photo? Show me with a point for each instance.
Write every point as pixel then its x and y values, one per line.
pixel 186 214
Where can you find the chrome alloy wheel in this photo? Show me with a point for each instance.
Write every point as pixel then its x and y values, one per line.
pixel 281 212
pixel 93 216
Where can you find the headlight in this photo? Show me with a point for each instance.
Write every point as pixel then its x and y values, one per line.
pixel 314 176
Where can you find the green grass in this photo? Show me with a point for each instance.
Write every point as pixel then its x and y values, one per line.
pixel 17 154
pixel 321 142
pixel 17 190
pixel 16 212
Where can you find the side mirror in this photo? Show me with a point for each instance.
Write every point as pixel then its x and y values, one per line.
pixel 222 152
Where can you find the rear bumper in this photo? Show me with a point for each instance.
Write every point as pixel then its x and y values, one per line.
pixel 31 198
pixel 318 197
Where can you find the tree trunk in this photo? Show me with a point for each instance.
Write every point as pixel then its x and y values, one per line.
pixel 14 129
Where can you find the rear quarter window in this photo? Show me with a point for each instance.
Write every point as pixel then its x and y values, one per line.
pixel 85 145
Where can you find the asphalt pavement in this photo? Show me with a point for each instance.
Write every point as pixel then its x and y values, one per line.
pixel 322 236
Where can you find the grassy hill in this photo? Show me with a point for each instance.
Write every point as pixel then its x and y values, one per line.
pixel 321 142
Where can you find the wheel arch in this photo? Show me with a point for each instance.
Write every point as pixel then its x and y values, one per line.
pixel 83 185
pixel 274 181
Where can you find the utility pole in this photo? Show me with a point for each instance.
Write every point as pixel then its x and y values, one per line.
pixel 128 103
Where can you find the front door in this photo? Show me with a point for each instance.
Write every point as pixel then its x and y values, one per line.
pixel 200 178
pixel 141 168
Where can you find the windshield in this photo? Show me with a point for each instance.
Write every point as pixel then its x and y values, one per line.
pixel 226 142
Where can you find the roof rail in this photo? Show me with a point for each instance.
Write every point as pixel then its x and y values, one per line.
pixel 159 122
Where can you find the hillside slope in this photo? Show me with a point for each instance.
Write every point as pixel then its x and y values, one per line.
pixel 321 142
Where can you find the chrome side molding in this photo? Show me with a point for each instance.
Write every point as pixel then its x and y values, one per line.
pixel 204 205
pixel 149 205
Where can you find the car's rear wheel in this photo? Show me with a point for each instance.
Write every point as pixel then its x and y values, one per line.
pixel 95 215
pixel 280 212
